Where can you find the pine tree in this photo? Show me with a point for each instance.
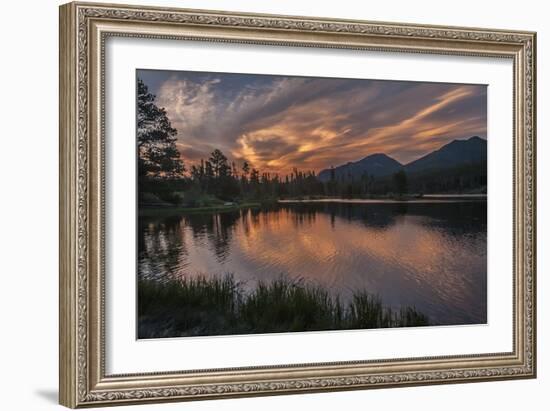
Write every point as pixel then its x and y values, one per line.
pixel 246 168
pixel 220 166
pixel 400 182
pixel 158 155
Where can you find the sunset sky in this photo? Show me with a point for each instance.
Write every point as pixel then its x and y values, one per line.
pixel 281 122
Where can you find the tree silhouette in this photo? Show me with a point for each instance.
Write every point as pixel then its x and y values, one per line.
pixel 246 169
pixel 220 166
pixel 158 156
pixel 400 182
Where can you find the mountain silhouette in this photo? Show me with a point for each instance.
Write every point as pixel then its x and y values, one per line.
pixel 375 165
pixel 454 155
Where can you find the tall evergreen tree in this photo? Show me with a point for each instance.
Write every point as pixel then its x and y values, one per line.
pixel 220 165
pixel 246 169
pixel 400 182
pixel 158 155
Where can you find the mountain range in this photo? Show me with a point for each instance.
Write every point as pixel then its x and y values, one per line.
pixel 457 155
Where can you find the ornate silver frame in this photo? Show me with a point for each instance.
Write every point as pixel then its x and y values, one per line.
pixel 83 30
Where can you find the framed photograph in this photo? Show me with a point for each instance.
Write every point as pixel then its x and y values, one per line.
pixel 259 204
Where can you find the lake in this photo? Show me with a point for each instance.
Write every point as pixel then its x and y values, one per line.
pixel 429 253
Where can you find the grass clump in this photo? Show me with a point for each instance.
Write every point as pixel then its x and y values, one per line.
pixel 220 306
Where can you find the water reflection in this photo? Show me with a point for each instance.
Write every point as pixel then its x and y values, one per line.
pixel 430 255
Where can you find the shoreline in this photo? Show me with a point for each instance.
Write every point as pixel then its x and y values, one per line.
pixel 427 199
pixel 152 210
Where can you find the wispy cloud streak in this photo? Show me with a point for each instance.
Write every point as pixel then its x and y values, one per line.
pixel 278 122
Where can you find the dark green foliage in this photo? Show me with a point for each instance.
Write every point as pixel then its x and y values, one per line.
pixel 366 311
pixel 220 166
pixel 160 192
pixel 157 152
pixel 194 305
pixel 217 306
pixel 160 168
pixel 400 182
pixel 217 180
pixel 408 316
pixel 285 306
pixel 468 178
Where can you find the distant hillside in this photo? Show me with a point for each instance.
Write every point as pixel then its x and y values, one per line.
pixel 459 166
pixel 375 165
pixel 456 153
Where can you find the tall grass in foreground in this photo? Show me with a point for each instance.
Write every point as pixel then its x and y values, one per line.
pixel 220 306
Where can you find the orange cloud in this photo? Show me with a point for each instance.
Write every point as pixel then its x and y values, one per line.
pixel 278 123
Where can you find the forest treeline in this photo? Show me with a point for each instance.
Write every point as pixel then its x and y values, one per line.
pixel 219 178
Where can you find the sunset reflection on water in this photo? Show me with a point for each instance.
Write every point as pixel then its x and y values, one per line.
pixel 429 255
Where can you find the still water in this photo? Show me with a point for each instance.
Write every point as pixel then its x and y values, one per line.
pixel 428 254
